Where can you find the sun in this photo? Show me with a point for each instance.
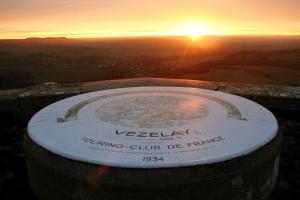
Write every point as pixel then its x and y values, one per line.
pixel 194 33
pixel 195 30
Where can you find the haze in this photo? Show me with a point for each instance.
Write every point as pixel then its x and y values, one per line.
pixel 110 18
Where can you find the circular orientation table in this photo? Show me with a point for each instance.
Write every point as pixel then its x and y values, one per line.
pixel 153 143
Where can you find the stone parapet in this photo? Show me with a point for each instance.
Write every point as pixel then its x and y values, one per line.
pixel 16 104
pixel 37 97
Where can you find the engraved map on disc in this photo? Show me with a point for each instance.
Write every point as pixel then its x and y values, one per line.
pixel 152 111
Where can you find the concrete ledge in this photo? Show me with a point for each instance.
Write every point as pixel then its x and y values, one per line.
pixel 35 98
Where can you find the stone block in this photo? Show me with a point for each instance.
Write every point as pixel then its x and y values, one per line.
pixel 9 99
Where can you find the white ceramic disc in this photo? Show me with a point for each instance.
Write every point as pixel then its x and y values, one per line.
pixel 153 127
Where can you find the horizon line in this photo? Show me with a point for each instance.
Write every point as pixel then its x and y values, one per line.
pixel 149 36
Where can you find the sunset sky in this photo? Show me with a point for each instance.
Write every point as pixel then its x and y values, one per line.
pixel 110 18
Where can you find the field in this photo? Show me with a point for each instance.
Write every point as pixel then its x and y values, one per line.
pixel 263 59
pixel 250 74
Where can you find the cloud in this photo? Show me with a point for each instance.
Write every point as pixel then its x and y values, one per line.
pixel 53 3
pixel 7 31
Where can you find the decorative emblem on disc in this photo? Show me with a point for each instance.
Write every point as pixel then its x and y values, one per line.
pixel 153 127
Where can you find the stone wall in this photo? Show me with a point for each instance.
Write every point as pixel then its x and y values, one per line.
pixel 18 106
